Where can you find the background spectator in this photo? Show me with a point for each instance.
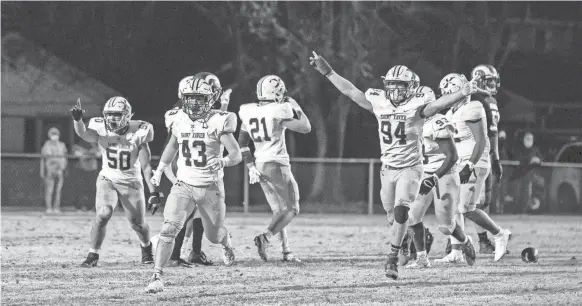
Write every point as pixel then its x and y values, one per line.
pixel 88 162
pixel 53 165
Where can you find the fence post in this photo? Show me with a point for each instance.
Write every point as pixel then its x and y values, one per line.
pixel 245 190
pixel 371 187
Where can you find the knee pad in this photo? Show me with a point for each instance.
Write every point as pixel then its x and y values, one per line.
pixel 401 214
pixel 448 229
pixel 169 231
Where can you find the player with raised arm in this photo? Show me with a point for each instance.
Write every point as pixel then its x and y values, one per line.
pixel 441 184
pixel 400 114
pixel 265 122
pixel 198 134
pixel 126 153
pixel 472 144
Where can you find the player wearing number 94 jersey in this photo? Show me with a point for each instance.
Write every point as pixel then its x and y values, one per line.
pixel 265 123
pixel 197 134
pixel 124 147
pixel 400 113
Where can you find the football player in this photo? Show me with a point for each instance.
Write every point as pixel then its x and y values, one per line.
pixel 198 134
pixel 400 114
pixel 126 153
pixel 490 82
pixel 193 227
pixel 472 144
pixel 440 183
pixel 265 123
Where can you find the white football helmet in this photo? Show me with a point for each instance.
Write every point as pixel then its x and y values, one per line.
pixel 117 114
pixel 197 97
pixel 489 79
pixel 214 83
pixel 452 83
pixel 426 92
pixel 271 88
pixel 399 84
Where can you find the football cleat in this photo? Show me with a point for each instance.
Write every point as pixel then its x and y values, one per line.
pixel 156 285
pixel 451 258
pixel 199 259
pixel 289 257
pixel 228 255
pixel 486 247
pixel 420 263
pixel 501 241
pixel 448 247
pixel 147 255
pixel 469 251
pixel 391 267
pixel 262 243
pixel 91 261
pixel 179 263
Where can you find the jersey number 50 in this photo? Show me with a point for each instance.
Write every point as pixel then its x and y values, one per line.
pixel 200 147
pixel 121 161
pixel 399 132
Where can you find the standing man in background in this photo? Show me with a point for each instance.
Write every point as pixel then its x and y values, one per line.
pixel 53 164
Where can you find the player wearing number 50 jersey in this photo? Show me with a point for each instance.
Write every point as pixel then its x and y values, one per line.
pixel 440 184
pixel 400 113
pixel 265 123
pixel 472 144
pixel 126 153
pixel 198 134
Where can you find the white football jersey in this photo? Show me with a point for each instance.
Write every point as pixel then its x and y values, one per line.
pixel 120 153
pixel 399 127
pixel 464 139
pixel 436 127
pixel 199 142
pixel 169 116
pixel 264 123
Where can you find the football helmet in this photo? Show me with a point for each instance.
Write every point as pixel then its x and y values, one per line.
pixel 452 83
pixel 488 78
pixel 427 92
pixel 117 114
pixel 271 88
pixel 214 83
pixel 197 97
pixel 399 84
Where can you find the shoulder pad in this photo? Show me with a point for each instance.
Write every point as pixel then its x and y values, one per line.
pixel 376 97
pixel 144 131
pixel 97 124
pixel 244 108
pixel 284 111
pixel 169 117
pixel 441 127
pixel 472 111
pixel 223 122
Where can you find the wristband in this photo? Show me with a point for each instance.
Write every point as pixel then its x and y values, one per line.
pixel 471 165
pixel 330 73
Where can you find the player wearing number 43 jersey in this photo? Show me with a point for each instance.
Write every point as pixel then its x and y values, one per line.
pixel 400 113
pixel 198 134
pixel 126 153
pixel 265 123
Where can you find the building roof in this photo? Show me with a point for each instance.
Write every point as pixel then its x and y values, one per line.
pixel 36 82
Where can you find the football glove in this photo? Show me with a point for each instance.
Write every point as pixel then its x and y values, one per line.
pixel 154 201
pixel 156 177
pixel 254 175
pixel 428 183
pixel 77 111
pixel 320 64
pixel 465 174
pixel 497 169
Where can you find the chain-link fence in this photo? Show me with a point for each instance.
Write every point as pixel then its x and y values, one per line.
pixel 325 185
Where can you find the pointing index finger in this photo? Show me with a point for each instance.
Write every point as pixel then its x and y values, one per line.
pixel 79 102
pixel 314 54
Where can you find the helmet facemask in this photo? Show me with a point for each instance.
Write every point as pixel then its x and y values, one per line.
pixel 115 120
pixel 397 91
pixel 196 106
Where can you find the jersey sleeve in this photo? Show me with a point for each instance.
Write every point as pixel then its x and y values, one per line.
pixel 285 111
pixel 473 111
pixel 145 132
pixel 96 124
pixel 375 96
pixel 242 116
pixel 169 117
pixel 426 93
pixel 442 128
pixel 229 123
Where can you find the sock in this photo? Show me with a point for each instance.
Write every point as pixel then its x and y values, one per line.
pixel 420 254
pixel 268 234
pixel 394 249
pixel 482 236
pixel 419 237
pixel 456 252
pixel 96 251
pixel 197 234
pixel 178 244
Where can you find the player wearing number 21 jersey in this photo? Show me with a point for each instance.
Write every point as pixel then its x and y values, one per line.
pixel 125 150
pixel 197 135
pixel 265 123
pixel 400 114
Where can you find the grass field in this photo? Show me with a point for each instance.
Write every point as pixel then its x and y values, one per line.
pixel 343 264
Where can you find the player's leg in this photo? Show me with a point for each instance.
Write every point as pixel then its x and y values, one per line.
pixel 49 187
pixel 105 201
pixel 210 201
pixel 197 256
pixel 417 211
pixel 187 244
pixel 445 208
pixel 176 257
pixel 470 210
pixel 59 178
pixel 407 185
pixel 485 245
pixel 282 192
pixel 179 206
pixel 132 198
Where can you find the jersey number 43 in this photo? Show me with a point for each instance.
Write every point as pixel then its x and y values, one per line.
pixel 389 135
pixel 197 146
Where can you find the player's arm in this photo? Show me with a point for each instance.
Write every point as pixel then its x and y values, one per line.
pixel 87 134
pixel 479 129
pixel 447 146
pixel 43 153
pixel 344 86
pixel 234 153
pixel 168 155
pixel 145 158
pixel 431 109
pixel 168 170
pixel 299 122
pixel 225 99
pixel 244 140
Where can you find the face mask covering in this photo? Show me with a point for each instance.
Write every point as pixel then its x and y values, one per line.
pixel 54 137
pixel 528 142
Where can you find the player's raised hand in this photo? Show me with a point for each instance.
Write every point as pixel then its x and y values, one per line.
pixel 320 64
pixel 77 111
pixel 472 87
pixel 154 201
pixel 225 96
